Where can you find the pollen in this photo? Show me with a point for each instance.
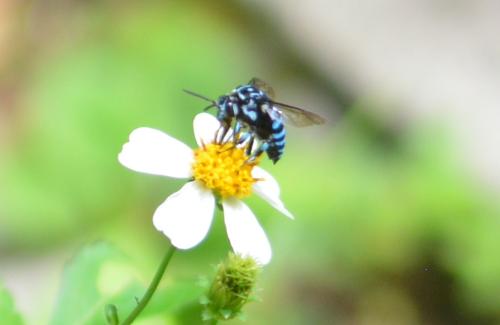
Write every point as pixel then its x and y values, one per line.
pixel 224 169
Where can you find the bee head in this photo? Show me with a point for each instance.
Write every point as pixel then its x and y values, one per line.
pixel 222 101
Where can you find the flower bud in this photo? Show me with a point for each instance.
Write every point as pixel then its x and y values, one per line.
pixel 111 314
pixel 231 288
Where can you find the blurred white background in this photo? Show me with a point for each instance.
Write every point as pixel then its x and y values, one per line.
pixel 430 60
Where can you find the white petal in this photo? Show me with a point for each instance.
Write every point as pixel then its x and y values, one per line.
pixel 154 152
pixel 245 233
pixel 205 127
pixel 268 189
pixel 185 217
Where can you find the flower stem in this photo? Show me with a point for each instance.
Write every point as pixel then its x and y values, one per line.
pixel 152 287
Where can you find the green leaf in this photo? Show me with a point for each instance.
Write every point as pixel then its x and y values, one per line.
pixel 98 275
pixel 8 314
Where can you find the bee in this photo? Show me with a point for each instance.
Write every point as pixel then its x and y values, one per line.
pixel 258 118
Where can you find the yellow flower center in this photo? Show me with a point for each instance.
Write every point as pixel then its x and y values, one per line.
pixel 224 169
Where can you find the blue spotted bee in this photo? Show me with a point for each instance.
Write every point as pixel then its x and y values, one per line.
pixel 258 118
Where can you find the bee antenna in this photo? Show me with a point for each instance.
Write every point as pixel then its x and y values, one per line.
pixel 209 107
pixel 201 96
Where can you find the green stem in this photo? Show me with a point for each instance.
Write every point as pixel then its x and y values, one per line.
pixel 152 287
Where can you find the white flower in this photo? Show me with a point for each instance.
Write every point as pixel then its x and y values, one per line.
pixel 216 170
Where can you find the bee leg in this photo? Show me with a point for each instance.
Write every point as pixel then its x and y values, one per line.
pixel 217 134
pixel 236 132
pixel 250 146
pixel 262 148
pixel 244 136
pixel 237 127
pixel 221 132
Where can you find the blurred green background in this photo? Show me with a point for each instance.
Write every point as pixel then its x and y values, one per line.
pixel 390 228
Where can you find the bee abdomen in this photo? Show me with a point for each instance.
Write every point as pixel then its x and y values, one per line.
pixel 277 143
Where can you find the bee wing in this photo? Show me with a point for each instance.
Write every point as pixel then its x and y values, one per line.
pixel 297 116
pixel 293 115
pixel 262 85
